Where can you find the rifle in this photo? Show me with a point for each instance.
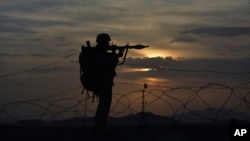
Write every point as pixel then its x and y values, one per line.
pixel 122 48
pixel 115 47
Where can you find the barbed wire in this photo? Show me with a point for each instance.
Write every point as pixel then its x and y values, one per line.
pixel 60 104
pixel 37 67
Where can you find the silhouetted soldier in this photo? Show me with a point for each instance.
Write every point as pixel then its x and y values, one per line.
pixel 107 61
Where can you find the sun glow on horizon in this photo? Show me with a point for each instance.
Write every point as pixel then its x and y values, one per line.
pixel 156 53
pixel 152 53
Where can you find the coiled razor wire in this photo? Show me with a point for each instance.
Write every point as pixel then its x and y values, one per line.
pixel 60 104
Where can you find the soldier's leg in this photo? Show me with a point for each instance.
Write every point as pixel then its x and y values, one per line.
pixel 105 99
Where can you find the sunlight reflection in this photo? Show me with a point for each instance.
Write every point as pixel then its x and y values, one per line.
pixel 155 81
pixel 137 69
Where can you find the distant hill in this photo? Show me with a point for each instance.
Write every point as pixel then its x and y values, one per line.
pixel 148 118
pixel 213 115
pixel 130 120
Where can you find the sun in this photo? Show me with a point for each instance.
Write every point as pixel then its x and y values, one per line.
pixel 151 53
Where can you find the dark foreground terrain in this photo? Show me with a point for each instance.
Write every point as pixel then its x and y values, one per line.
pixel 202 132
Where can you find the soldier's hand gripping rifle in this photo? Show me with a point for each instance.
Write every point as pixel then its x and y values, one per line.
pixel 122 48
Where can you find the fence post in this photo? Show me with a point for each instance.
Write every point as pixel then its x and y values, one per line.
pixel 143 106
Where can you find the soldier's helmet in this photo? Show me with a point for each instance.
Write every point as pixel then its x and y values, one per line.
pixel 103 38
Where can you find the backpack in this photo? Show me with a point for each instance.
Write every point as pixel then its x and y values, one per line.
pixel 88 69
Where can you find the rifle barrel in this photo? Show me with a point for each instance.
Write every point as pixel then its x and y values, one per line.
pixel 114 47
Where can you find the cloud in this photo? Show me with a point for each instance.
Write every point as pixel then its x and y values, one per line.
pixel 218 31
pixel 39 55
pixel 148 22
pixel 13 29
pixel 35 40
pixel 19 24
pixel 61 45
pixel 184 39
pixel 2 54
pixel 58 39
pixel 42 55
pixel 28 5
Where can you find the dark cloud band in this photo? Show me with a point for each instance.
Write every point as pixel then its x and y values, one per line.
pixel 219 31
